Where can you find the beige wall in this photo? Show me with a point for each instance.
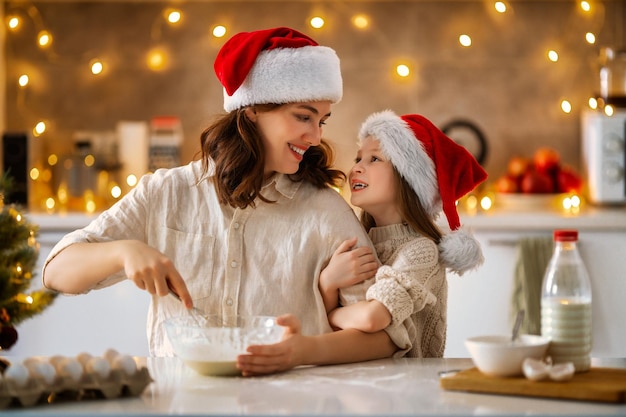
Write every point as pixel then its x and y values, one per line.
pixel 503 82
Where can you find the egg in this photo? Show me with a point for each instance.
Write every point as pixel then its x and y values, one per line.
pixel 535 369
pixel 83 358
pixel 99 366
pixel 562 371
pixel 126 364
pixel 110 355
pixel 70 368
pixel 43 370
pixel 54 360
pixel 18 374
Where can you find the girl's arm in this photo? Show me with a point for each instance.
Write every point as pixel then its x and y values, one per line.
pixel 344 346
pixel 347 266
pixel 367 316
pixel 80 266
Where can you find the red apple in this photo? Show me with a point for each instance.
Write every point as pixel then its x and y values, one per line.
pixel 546 159
pixel 506 184
pixel 517 166
pixel 536 182
pixel 568 180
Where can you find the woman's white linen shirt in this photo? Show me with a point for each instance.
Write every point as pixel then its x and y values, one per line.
pixel 256 261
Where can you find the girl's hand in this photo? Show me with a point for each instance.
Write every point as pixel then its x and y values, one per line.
pixel 152 271
pixel 279 357
pixel 348 266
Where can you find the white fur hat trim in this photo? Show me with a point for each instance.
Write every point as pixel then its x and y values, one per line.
pixel 290 75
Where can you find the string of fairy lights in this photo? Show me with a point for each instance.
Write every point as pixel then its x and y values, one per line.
pixel 157 59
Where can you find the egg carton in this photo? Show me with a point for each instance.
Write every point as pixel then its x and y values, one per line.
pixel 54 388
pixel 90 386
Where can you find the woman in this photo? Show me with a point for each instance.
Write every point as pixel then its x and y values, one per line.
pixel 247 229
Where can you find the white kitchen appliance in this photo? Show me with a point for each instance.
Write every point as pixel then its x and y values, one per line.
pixel 604 155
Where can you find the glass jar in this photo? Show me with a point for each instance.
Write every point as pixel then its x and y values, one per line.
pixel 613 77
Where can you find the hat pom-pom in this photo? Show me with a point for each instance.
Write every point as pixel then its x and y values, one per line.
pixel 460 251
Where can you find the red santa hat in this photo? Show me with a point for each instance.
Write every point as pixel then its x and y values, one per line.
pixel 439 170
pixel 279 65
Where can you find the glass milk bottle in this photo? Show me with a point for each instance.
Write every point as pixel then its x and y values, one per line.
pixel 566 303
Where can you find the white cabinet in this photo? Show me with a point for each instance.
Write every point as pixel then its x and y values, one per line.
pixel 480 302
pixel 114 317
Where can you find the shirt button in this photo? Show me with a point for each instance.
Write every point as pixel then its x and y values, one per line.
pixel 233 264
pixel 236 226
pixel 229 302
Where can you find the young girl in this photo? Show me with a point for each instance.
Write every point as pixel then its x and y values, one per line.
pixel 406 172
pixel 248 228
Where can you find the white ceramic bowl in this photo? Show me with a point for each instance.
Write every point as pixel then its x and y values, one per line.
pixel 497 355
pixel 210 344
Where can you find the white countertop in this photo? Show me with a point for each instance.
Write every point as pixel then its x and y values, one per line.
pixel 408 387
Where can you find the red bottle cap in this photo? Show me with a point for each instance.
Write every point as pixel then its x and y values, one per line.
pixel 565 235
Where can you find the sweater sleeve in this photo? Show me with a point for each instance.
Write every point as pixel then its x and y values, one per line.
pixel 404 286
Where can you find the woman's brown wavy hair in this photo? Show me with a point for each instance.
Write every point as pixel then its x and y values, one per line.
pixel 411 210
pixel 234 144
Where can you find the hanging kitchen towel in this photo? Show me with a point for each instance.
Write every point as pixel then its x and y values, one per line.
pixel 533 255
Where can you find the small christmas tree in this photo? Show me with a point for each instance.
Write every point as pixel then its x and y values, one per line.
pixel 19 250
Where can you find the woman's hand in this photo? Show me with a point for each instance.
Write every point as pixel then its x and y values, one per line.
pixel 343 346
pixel 279 357
pixel 152 271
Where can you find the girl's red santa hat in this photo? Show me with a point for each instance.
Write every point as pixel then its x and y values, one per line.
pixel 279 65
pixel 439 170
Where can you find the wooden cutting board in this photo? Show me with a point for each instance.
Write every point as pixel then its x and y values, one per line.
pixel 598 384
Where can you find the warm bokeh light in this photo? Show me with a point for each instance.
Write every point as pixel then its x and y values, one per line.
pixel 96 66
pixel 593 103
pixel 52 159
pixel 13 22
pixel 465 40
pixel 585 5
pixel 50 203
pixel 608 110
pixel 131 180
pixel 44 38
pixel 116 191
pixel 486 203
pixel 553 55
pixel 34 174
pixel 173 16
pixel 500 7
pixel 317 22
pixel 23 80
pixel 89 160
pixel 566 106
pixel 360 21
pixel 219 31
pixel 590 38
pixel 403 70
pixel 39 128
pixel 471 203
pixel 157 59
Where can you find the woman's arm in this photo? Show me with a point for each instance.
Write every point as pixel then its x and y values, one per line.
pixel 344 346
pixel 80 266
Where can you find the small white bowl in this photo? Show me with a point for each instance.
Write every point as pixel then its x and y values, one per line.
pixel 497 355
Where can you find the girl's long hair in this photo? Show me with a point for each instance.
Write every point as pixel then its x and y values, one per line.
pixel 234 145
pixel 411 210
